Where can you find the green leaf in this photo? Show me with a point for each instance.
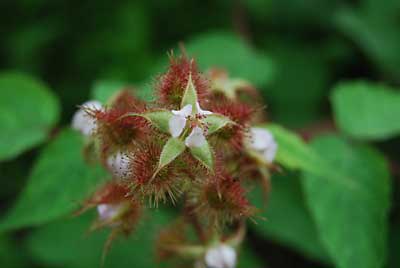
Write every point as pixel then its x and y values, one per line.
pixel 11 254
pixel 293 15
pixel 190 95
pixel 104 90
pixel 295 154
pixel 226 50
pixel 172 149
pixel 394 245
pixel 204 155
pixel 215 122
pixel 59 182
pixel 248 258
pixel 301 106
pixel 352 224
pixel 374 28
pixel 28 111
pixel 366 110
pixel 287 220
pixel 80 249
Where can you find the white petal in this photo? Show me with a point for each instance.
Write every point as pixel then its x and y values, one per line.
pixel 200 111
pixel 185 111
pixel 108 212
pixel 119 164
pixel 82 121
pixel 270 153
pixel 222 256
pixel 196 138
pixel 260 138
pixel 176 125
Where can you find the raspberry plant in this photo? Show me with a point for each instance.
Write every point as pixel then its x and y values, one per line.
pixel 196 146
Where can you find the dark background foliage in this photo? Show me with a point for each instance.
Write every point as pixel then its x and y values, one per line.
pixel 296 52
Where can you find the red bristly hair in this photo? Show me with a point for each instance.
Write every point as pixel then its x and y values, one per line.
pixel 220 199
pixel 233 135
pixel 171 85
pixel 115 131
pixel 161 186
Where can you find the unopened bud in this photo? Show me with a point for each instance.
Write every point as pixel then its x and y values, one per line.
pixel 263 141
pixel 82 121
pixel 109 212
pixel 221 256
pixel 119 164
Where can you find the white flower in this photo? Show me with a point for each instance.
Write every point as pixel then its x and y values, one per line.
pixel 263 142
pixel 221 256
pixel 82 121
pixel 178 121
pixel 177 124
pixel 196 138
pixel 119 164
pixel 109 212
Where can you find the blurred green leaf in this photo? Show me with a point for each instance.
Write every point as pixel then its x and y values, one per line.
pixel 287 219
pixel 248 258
pixel 103 90
pixel 352 224
pixel 10 254
pixel 226 50
pixel 26 45
pixel 80 249
pixel 59 182
pixel 302 74
pixel 295 154
pixel 115 44
pixel 374 28
pixel 394 246
pixel 366 110
pixel 292 14
pixel 28 111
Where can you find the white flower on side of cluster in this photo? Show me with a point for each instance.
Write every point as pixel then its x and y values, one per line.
pixel 221 256
pixel 263 141
pixel 109 212
pixel 177 124
pixel 119 163
pixel 83 122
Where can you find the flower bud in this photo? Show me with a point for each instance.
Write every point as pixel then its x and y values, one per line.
pixel 263 142
pixel 84 122
pixel 119 165
pixel 221 256
pixel 109 212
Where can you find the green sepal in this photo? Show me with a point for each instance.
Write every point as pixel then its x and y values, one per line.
pixel 160 119
pixel 204 155
pixel 216 121
pixel 190 95
pixel 172 149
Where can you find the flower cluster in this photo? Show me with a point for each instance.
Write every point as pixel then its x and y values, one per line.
pixel 195 144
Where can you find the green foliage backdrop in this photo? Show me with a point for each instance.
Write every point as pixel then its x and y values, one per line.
pixel 329 74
